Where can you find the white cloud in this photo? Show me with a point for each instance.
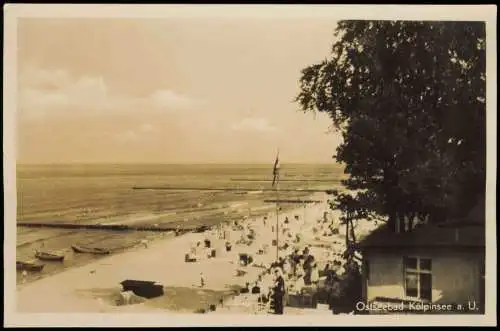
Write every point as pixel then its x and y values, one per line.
pixel 44 79
pixel 253 124
pixel 144 132
pixel 46 92
pixel 166 99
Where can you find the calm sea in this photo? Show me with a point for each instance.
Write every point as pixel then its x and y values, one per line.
pixel 80 193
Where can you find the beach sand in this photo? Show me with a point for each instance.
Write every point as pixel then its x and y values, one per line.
pixel 95 287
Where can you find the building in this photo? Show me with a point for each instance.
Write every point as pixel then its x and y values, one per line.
pixel 434 267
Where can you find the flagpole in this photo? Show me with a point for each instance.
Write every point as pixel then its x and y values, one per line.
pixel 276 180
pixel 277 221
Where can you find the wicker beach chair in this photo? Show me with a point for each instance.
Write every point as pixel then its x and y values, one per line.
pixel 263 308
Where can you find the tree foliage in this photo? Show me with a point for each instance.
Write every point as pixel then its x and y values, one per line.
pixel 408 98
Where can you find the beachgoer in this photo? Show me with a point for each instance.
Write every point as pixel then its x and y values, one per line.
pixel 296 260
pixel 307 266
pixel 24 274
pixel 202 280
pixel 281 262
pixel 275 264
pixel 286 269
pixel 265 286
pixel 278 291
pixel 315 275
pixel 334 297
pixel 246 289
pixel 327 273
pixel 256 288
pixel 266 281
pixel 299 284
pixel 305 252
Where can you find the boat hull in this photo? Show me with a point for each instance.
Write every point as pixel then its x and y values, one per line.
pixel 29 266
pixel 49 256
pixel 89 250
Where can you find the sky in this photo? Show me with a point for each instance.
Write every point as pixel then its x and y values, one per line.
pixel 174 90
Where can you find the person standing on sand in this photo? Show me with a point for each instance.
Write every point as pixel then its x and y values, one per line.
pixel 278 292
pixel 286 268
pixel 202 279
pixel 315 274
pixel 295 258
pixel 24 274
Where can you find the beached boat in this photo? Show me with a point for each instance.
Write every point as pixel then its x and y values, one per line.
pixel 145 289
pixel 29 266
pixel 89 250
pixel 49 256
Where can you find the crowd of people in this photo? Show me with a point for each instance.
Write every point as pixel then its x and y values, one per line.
pixel 299 274
pixel 297 271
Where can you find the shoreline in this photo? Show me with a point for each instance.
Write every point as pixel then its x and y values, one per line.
pixel 53 268
pixel 145 263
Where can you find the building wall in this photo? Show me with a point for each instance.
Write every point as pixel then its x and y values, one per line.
pixel 384 276
pixel 455 275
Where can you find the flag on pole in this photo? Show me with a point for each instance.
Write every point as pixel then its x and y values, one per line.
pixel 276 170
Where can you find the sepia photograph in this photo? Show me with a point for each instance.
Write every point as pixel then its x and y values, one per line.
pixel 249 165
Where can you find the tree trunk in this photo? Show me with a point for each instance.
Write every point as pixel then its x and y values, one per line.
pixel 347 233
pixel 353 235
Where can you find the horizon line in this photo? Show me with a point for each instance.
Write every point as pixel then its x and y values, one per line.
pixel 167 163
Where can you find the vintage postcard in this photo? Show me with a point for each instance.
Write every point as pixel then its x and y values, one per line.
pixel 281 165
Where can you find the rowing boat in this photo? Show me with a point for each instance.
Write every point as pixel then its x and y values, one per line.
pixel 90 250
pixel 145 289
pixel 49 256
pixel 29 266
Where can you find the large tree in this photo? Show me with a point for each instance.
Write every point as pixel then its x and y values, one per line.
pixel 409 100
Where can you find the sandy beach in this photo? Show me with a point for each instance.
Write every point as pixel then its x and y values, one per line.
pixel 95 287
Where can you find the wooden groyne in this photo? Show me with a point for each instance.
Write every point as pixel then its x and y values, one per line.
pixel 109 227
pixel 292 201
pixel 226 189
pixel 325 180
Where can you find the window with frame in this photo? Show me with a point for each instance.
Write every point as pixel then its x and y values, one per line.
pixel 418 278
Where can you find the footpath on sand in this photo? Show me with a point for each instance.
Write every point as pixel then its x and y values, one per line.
pixel 96 287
